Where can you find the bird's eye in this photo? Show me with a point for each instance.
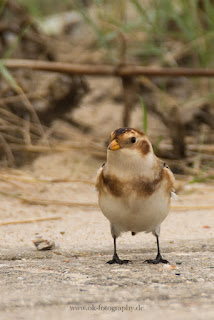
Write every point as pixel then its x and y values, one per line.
pixel 133 139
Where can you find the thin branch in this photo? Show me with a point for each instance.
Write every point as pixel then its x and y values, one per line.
pixel 106 70
pixel 44 202
pixel 16 176
pixel 8 151
pixel 203 207
pixel 30 95
pixel 5 223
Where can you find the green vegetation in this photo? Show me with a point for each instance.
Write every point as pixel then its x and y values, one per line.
pixel 39 8
pixel 163 29
pixel 202 177
pixel 173 32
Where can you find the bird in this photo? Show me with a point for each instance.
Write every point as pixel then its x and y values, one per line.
pixel 134 188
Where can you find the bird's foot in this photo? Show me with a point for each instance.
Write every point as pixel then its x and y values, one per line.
pixel 157 260
pixel 117 260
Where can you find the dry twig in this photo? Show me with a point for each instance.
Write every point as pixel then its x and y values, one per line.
pixel 5 223
pixel 44 202
pixel 106 70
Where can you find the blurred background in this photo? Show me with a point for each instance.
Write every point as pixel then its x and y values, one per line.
pixel 43 112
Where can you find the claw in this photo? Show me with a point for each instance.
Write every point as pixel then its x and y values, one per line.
pixel 117 260
pixel 157 260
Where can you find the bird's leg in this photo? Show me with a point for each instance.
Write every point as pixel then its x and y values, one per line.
pixel 159 258
pixel 115 258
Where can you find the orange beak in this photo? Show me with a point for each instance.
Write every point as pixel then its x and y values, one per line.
pixel 114 145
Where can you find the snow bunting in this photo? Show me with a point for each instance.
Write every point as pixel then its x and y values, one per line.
pixel 134 188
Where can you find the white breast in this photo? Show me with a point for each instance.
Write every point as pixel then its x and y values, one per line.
pixel 136 213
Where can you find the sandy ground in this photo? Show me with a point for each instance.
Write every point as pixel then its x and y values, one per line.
pixel 73 280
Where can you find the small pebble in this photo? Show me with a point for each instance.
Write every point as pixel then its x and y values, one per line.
pixel 42 244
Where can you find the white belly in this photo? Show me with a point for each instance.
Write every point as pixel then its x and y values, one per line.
pixel 135 214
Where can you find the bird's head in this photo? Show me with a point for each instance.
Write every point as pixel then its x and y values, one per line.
pixel 130 140
pixel 130 149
